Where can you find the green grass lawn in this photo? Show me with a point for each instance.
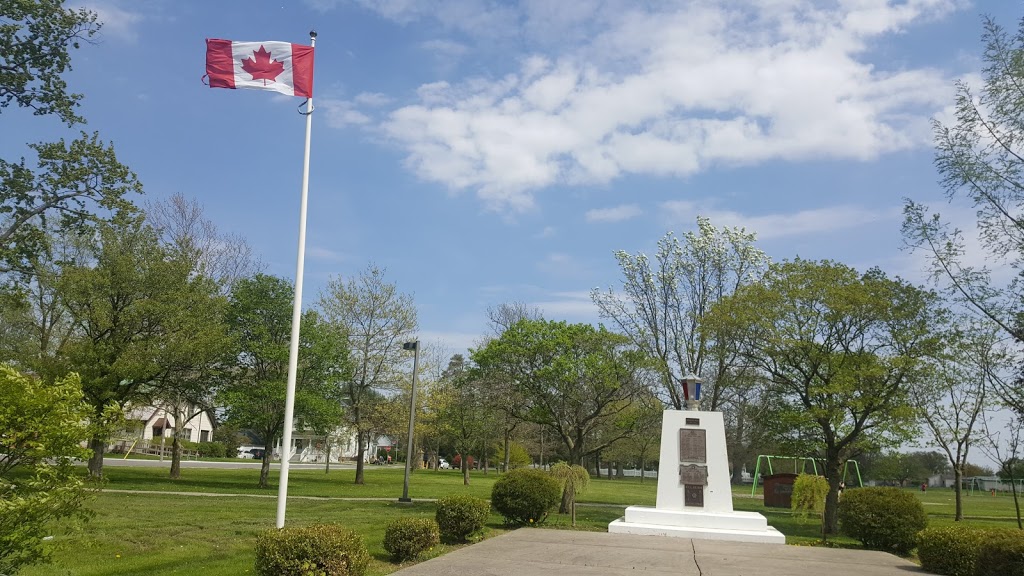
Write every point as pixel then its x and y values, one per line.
pixel 171 534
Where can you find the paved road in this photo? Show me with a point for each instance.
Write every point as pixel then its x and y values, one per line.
pixel 540 552
pixel 231 465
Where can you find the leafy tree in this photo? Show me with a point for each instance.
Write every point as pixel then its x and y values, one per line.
pixel 980 159
pixel 72 180
pixel 35 43
pixel 574 480
pixel 664 302
pixel 134 308
pixel 41 429
pixel 953 397
pixel 259 316
pixel 501 397
pixel 899 468
pixel 377 319
pixel 840 351
pixel 574 377
pixel 644 442
pixel 460 400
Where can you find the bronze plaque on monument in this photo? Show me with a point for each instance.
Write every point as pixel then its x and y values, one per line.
pixel 693 445
pixel 693 495
pixel 693 474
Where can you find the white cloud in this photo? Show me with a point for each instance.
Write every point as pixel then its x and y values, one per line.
pixel 574 306
pixel 767 226
pixel 458 342
pixel 547 232
pixel 673 92
pixel 615 214
pixel 372 99
pixel 341 113
pixel 321 253
pixel 118 22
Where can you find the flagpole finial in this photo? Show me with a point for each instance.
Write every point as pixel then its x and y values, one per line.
pixel 312 33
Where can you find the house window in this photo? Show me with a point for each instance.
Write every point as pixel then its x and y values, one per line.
pixel 187 434
pixel 204 435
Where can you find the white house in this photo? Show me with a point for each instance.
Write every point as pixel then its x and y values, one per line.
pixel 340 446
pixel 158 421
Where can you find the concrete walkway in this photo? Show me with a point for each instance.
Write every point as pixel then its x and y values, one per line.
pixel 540 552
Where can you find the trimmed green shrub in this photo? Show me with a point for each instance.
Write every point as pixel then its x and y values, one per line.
pixel 1001 554
pixel 950 550
pixel 407 538
pixel 809 491
pixel 320 550
pixel 212 449
pixel 460 515
pixel 882 518
pixel 525 496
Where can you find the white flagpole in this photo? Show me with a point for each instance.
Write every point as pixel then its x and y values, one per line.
pixel 293 351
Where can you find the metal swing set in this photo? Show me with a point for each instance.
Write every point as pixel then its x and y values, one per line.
pixel 800 466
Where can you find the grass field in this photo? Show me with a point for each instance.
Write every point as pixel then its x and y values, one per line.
pixel 171 534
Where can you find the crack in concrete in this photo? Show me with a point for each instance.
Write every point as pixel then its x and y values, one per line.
pixel 695 563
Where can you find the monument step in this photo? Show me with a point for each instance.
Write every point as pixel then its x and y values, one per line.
pixel 696 518
pixel 767 536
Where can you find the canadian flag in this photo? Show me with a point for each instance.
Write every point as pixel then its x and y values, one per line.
pixel 279 66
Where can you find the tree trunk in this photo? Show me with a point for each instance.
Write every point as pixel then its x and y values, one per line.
pixel 1016 500
pixel 619 473
pixel 958 491
pixel 464 464
pixel 643 466
pixel 568 498
pixel 834 471
pixel 508 451
pixel 360 456
pixel 176 444
pixel 98 445
pixel 327 444
pixel 175 454
pixel 265 468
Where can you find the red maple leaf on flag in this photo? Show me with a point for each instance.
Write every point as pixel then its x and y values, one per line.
pixel 262 66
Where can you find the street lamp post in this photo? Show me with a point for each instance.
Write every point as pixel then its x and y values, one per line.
pixel 415 347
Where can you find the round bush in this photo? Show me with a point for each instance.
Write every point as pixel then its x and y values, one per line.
pixel 460 515
pixel 950 550
pixel 525 496
pixel 885 519
pixel 1001 554
pixel 325 549
pixel 407 538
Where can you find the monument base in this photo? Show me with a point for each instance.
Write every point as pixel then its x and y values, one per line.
pixel 701 525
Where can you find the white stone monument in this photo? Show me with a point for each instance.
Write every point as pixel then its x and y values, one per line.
pixel 694 496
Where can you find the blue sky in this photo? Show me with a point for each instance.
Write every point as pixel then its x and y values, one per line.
pixel 485 152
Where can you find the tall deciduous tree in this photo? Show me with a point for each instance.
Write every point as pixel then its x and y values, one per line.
pixel 131 307
pixel 663 303
pixel 459 398
pixel 376 319
pixel 575 379
pixel 72 181
pixel 36 39
pixel 841 351
pixel 182 225
pixel 259 316
pixel 953 396
pixel 980 160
